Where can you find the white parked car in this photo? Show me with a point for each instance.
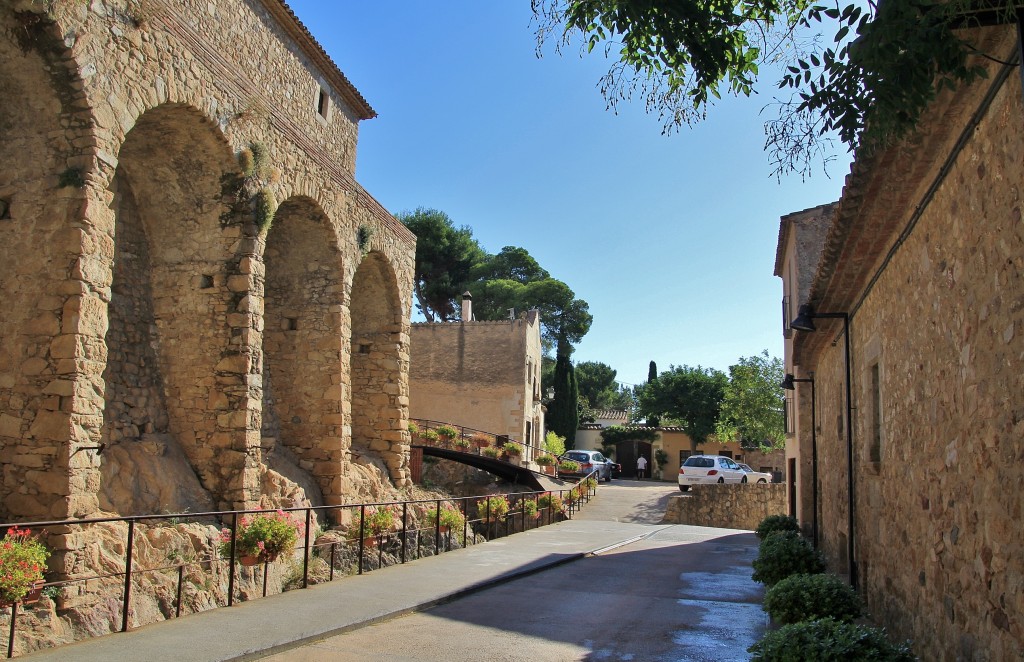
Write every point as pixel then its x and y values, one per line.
pixel 754 476
pixel 699 469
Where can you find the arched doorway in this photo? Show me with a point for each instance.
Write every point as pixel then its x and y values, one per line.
pixel 379 389
pixel 302 350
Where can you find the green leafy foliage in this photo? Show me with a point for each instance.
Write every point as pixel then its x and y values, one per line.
pixel 828 640
pixel 513 448
pixel 445 259
pixel 807 597
pixel 451 516
pixel 494 507
pixel 691 397
pixel 569 466
pixel 861 72
pixel 751 410
pixel 785 553
pixel 614 434
pixel 490 451
pixel 773 523
pixel 266 208
pixel 550 501
pixel 447 432
pixel 554 443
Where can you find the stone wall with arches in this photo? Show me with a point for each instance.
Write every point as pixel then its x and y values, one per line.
pixel 223 349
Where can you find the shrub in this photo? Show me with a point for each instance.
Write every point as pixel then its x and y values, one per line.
pixel 828 639
pixel 378 521
pixel 554 444
pixel 783 554
pixel 263 535
pixel 447 432
pixel 774 523
pixel 22 564
pixel 530 508
pixel 451 517
pixel 494 507
pixel 552 501
pixel 569 466
pixel 807 597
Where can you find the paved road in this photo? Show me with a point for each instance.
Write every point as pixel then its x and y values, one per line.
pixel 682 593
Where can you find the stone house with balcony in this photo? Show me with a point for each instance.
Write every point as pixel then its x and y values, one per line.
pixel 912 329
pixel 479 375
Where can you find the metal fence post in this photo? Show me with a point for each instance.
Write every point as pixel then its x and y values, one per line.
pixel 305 550
pixel 128 576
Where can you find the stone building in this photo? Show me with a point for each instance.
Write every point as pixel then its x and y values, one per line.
pixel 149 310
pixel 920 277
pixel 479 375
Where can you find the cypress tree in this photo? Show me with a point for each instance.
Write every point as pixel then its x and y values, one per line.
pixel 563 416
pixel 652 374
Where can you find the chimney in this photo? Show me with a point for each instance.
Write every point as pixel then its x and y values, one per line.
pixel 467 306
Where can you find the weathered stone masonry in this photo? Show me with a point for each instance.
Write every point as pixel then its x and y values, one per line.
pixel 143 307
pixel 937 355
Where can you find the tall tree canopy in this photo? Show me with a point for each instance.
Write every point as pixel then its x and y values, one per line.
pixel 687 396
pixel 862 71
pixel 513 279
pixel 752 407
pixel 446 258
pixel 599 389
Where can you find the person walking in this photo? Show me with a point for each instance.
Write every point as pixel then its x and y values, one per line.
pixel 641 467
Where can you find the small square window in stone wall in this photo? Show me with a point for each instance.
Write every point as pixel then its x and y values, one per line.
pixel 205 282
pixel 5 209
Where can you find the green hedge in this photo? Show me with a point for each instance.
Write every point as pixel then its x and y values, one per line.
pixel 828 640
pixel 774 523
pixel 783 554
pixel 807 597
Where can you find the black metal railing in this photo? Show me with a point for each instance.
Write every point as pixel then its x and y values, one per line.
pixel 407 542
pixel 469 434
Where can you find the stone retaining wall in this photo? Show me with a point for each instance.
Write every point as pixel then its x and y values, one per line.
pixel 727 506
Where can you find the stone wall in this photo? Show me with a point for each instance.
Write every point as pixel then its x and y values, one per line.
pixel 146 309
pixel 726 506
pixel 481 375
pixel 938 369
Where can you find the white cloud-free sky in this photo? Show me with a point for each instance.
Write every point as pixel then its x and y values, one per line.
pixel 670 239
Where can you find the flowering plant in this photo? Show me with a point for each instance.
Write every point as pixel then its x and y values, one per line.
pixel 552 501
pixel 264 536
pixel 494 507
pixel 377 522
pixel 22 563
pixel 545 460
pixel 513 448
pixel 451 517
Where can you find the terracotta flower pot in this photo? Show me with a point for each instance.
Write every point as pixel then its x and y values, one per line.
pixel 370 542
pixel 34 593
pixel 444 529
pixel 249 560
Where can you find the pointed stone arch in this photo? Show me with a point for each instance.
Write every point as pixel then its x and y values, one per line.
pixel 380 398
pixel 179 368
pixel 304 296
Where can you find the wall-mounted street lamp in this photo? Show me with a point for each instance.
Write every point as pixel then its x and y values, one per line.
pixel 789 384
pixel 805 322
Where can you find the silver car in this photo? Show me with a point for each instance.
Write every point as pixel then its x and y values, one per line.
pixel 699 469
pixel 754 476
pixel 589 462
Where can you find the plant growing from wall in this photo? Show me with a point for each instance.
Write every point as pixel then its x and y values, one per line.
pixel 363 235
pixel 828 639
pixel 71 178
pixel 808 597
pixel 785 553
pixel 266 207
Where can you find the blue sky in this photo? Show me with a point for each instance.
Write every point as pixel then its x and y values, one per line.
pixel 670 239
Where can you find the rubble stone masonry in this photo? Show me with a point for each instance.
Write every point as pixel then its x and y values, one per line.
pixel 145 308
pixel 938 377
